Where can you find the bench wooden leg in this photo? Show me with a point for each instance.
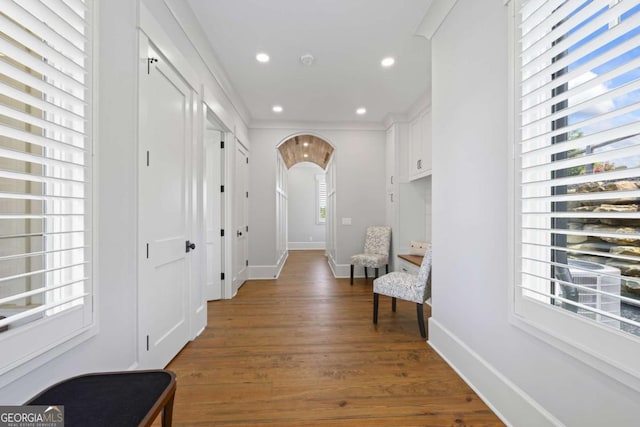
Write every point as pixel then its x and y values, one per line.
pixel 167 413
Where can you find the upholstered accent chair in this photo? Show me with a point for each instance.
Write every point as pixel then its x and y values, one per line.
pixel 376 250
pixel 407 287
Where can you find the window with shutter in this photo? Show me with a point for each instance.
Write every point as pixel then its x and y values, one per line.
pixel 578 173
pixel 321 192
pixel 45 176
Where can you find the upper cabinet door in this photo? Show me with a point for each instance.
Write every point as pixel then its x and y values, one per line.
pixel 426 144
pixel 420 146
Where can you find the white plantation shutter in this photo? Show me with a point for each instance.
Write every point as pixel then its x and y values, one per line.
pixel 579 158
pixel 45 175
pixel 322 199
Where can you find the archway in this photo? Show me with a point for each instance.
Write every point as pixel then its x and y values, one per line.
pixel 306 148
pixel 295 150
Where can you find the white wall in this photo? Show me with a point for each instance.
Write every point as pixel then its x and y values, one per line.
pixel 360 190
pixel 115 253
pixel 513 370
pixel 304 230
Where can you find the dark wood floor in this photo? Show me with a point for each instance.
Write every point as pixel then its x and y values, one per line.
pixel 302 351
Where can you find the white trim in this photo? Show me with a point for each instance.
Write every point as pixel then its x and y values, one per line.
pixel 195 34
pixel 268 272
pixel 341 271
pixel 332 265
pixel 599 360
pixel 306 246
pixel 307 126
pixel 392 119
pixel 609 351
pixel 422 105
pixel 263 272
pixel 281 262
pixel 435 16
pixel 162 41
pixel 46 355
pixel 496 390
pixel 50 337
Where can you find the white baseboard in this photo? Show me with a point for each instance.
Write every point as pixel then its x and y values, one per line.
pixel 263 272
pixel 344 270
pixel 510 403
pixel 306 246
pixel 281 262
pixel 267 272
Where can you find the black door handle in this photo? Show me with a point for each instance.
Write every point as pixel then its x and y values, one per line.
pixel 239 233
pixel 190 246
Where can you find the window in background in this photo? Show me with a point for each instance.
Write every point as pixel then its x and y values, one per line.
pixel 321 197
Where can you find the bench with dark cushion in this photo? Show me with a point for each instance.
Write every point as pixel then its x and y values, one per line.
pixel 128 398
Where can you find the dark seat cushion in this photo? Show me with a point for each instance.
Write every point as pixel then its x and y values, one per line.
pixel 108 399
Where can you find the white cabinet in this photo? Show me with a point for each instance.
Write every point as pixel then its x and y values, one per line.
pixel 420 145
pixel 406 204
pixel 405 266
pixel 390 170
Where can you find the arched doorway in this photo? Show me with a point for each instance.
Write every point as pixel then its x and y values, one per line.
pixel 297 150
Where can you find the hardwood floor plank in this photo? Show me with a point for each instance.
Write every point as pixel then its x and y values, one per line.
pixel 302 351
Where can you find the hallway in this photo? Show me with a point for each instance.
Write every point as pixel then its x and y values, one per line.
pixel 302 351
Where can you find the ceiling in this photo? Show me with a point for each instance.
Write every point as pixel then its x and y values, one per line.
pixel 348 39
pixel 306 148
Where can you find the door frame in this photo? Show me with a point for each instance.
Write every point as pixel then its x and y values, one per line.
pixel 231 173
pixel 196 303
pixel 211 119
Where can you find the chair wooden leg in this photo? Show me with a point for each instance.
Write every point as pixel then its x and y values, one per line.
pixel 375 308
pixel 421 321
pixel 393 305
pixel 365 274
pixel 376 272
pixel 351 275
pixel 386 267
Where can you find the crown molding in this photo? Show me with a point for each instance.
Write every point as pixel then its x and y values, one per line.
pixel 186 19
pixel 317 125
pixel 435 16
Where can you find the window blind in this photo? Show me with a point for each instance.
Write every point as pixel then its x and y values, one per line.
pixel 45 69
pixel 579 158
pixel 322 200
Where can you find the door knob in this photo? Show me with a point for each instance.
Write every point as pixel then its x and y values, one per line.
pixel 239 233
pixel 190 246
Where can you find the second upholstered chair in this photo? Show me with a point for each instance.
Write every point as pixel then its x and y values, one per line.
pixel 376 250
pixel 406 286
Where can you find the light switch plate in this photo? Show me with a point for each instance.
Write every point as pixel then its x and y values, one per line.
pixel 346 221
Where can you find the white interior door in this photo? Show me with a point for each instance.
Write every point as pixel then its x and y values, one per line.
pixel 213 212
pixel 240 216
pixel 164 191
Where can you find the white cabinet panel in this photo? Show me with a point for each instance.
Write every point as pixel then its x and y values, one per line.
pixel 420 146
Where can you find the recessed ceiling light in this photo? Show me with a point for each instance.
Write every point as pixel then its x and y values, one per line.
pixel 361 111
pixel 262 57
pixel 306 155
pixel 388 62
pixel 277 109
pixel 306 144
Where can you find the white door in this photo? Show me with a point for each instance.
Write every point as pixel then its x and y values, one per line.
pixel 213 213
pixel 164 281
pixel 240 216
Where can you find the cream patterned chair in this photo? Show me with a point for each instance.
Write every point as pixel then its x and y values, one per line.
pixel 376 250
pixel 407 287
